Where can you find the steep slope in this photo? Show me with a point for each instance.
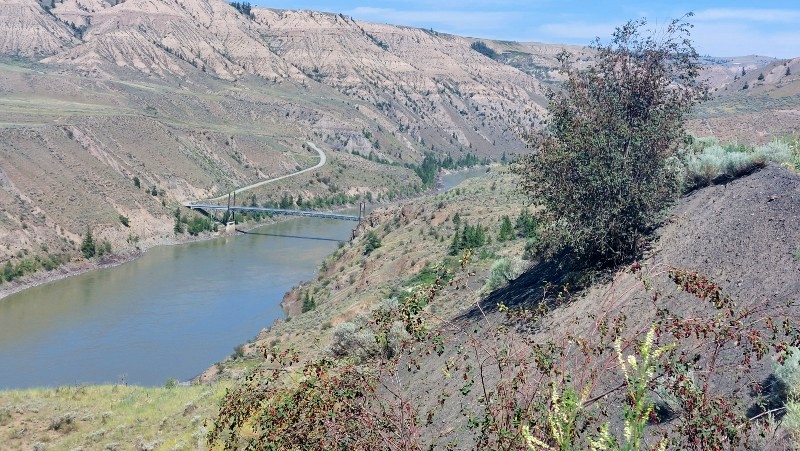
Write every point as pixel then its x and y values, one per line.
pixel 157 36
pixel 743 235
pixel 27 30
pixel 429 85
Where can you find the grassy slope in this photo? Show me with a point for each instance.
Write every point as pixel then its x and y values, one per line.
pixel 413 235
pixel 107 417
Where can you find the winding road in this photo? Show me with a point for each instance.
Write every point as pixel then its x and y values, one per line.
pixel 322 160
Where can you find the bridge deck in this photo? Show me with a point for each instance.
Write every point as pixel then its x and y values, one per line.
pixel 277 211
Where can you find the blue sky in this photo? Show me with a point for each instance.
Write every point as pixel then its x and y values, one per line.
pixel 722 28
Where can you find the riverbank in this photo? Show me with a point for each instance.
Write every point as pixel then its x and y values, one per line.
pixel 77 267
pixel 74 268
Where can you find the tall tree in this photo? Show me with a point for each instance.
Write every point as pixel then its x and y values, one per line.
pixel 87 246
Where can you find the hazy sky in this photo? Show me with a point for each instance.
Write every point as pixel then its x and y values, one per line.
pixel 722 28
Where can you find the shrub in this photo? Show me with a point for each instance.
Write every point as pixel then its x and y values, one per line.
pixel 65 423
pixel 238 352
pixel 503 271
pixel 774 152
pixel 373 242
pixel 353 341
pixel 606 164
pixel 5 416
pixel 171 383
pixel 124 220
pixel 714 162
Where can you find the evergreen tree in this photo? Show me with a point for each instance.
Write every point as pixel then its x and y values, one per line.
pixel 506 230
pixel 87 246
pixel 308 303
pixel 455 244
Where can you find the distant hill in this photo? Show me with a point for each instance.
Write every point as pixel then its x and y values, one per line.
pixel 196 97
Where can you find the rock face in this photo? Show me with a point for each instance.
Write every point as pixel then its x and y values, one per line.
pixel 27 30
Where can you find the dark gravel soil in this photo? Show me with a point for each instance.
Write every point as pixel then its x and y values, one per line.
pixel 745 235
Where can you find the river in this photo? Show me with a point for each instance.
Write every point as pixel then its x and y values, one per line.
pixel 169 314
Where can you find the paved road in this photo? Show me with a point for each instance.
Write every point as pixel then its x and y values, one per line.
pixel 322 160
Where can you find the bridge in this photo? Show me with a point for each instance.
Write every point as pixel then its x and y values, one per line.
pixel 275 211
pixel 211 208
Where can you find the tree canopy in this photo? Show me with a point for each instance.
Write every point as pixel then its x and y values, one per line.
pixel 606 163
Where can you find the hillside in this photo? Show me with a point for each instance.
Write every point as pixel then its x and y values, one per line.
pixel 194 98
pixel 741 235
pixel 755 106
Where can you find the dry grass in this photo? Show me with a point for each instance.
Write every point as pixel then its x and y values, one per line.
pixel 108 417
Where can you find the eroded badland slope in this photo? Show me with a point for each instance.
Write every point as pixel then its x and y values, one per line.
pixel 193 98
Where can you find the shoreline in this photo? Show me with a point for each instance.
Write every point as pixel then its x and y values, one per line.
pixel 75 268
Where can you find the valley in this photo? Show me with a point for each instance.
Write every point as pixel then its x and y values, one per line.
pixel 129 321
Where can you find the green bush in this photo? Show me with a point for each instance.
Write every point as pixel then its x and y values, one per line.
pixel 606 164
pixel 373 242
pixel 503 271
pixel 788 372
pixel 353 341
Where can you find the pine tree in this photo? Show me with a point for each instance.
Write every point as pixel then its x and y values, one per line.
pixel 506 230
pixel 454 245
pixel 88 246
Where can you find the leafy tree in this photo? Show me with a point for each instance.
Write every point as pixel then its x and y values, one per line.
pixel 373 242
pixel 88 246
pixel 606 164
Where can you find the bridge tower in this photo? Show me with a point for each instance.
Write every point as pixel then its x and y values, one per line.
pixel 230 226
